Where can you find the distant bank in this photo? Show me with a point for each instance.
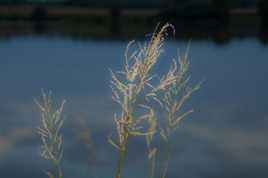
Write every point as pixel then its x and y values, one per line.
pixel 58 12
pixel 86 21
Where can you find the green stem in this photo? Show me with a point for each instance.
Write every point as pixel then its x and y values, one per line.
pixel 58 170
pixel 60 174
pixel 166 161
pixel 120 163
pixel 152 166
pixel 121 158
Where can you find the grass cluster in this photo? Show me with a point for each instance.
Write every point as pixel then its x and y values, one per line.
pixel 149 104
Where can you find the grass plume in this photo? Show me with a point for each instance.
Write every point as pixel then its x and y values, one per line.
pixel 172 100
pixel 134 89
pixel 50 132
pixel 133 84
pixel 136 86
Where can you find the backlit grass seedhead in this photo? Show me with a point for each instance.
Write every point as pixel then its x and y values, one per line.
pixel 136 86
pixel 133 87
pixel 135 81
pixel 50 131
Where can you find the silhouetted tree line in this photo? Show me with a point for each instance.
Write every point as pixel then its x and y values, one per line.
pixel 92 3
pixel 263 8
pixel 175 8
pixel 140 3
pixel 196 9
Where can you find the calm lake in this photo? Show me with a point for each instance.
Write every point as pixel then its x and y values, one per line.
pixel 225 137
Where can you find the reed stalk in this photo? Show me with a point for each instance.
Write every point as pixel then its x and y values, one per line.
pixel 133 86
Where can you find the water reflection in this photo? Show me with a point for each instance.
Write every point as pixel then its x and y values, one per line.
pixel 219 31
pixel 226 136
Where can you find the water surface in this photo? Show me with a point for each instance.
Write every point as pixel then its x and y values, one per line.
pixel 225 137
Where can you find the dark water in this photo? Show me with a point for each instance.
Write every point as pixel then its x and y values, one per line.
pixel 225 137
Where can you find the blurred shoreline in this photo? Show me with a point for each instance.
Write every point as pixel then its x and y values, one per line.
pixel 101 23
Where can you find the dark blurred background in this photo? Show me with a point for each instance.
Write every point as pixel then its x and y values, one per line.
pixel 67 46
pixel 219 20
